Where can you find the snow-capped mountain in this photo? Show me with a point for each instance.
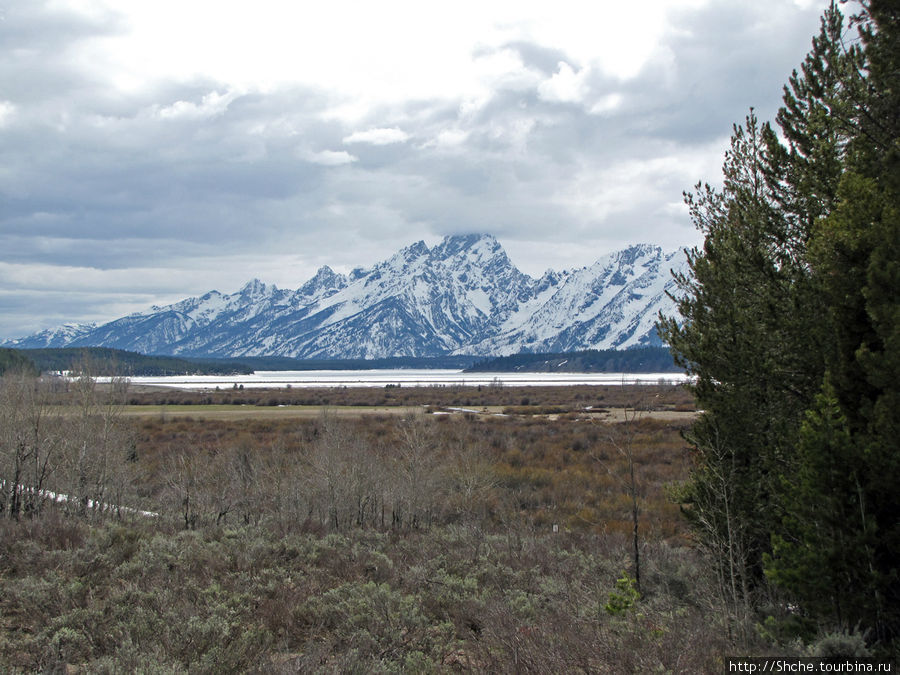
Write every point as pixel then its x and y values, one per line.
pixel 614 303
pixel 54 337
pixel 464 296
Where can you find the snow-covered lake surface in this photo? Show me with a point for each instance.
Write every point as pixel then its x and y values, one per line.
pixel 404 377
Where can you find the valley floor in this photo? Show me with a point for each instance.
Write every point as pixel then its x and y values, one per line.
pixel 407 542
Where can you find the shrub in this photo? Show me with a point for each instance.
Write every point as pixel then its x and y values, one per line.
pixel 623 597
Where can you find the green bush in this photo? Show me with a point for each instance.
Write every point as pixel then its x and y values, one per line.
pixel 623 597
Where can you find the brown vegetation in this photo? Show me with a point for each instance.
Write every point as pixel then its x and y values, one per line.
pixel 534 399
pixel 390 543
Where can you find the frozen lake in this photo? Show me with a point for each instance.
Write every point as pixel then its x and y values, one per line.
pixel 401 377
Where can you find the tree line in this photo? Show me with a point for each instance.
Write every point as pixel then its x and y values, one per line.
pixel 108 362
pixel 790 323
pixel 634 360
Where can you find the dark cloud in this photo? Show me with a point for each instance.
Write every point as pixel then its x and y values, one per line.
pixel 36 39
pixel 41 26
pixel 726 58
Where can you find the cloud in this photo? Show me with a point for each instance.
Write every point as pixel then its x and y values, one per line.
pixel 7 110
pixel 606 103
pixel 537 57
pixel 210 105
pixel 147 181
pixel 565 86
pixel 447 139
pixel 378 136
pixel 329 157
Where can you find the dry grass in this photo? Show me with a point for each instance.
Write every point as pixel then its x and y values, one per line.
pixel 251 412
pixel 604 404
pixel 343 541
pixel 562 398
pixel 551 471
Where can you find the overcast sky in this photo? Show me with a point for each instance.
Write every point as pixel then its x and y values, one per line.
pixel 151 151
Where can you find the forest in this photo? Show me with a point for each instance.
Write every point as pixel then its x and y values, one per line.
pixel 790 323
pixel 633 360
pixel 111 362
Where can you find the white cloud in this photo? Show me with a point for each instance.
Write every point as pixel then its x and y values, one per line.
pixel 7 110
pixel 390 52
pixel 329 157
pixel 607 104
pixel 565 86
pixel 73 278
pixel 600 194
pixel 447 139
pixel 378 136
pixel 211 105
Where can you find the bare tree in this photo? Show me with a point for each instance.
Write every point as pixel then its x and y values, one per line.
pixel 30 442
pixel 472 484
pixel 285 487
pixel 416 472
pixel 69 445
pixel 182 476
pixel 723 534
pixel 621 437
pixel 342 484
pixel 98 444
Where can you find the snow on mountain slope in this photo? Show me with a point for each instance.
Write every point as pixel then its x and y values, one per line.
pixel 614 303
pixel 463 296
pixel 418 302
pixel 52 337
pixel 161 330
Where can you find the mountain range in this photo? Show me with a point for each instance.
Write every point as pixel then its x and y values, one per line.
pixel 463 296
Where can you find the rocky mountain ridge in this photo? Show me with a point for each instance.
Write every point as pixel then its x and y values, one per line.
pixel 463 296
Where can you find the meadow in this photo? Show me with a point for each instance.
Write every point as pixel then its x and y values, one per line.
pixel 540 539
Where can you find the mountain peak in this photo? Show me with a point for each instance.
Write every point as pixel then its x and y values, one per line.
pixel 456 243
pixel 412 252
pixel 324 275
pixel 632 253
pixel 253 287
pixel 325 278
pixel 469 240
pixel 462 296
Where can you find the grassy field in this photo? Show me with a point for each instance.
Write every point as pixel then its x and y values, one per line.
pixel 343 533
pixel 608 403
pixel 220 411
pixel 563 398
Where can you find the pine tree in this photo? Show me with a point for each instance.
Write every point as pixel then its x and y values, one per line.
pixel 843 520
pixel 828 538
pixel 790 323
pixel 817 121
pixel 741 335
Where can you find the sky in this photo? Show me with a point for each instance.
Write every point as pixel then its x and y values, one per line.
pixel 153 151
